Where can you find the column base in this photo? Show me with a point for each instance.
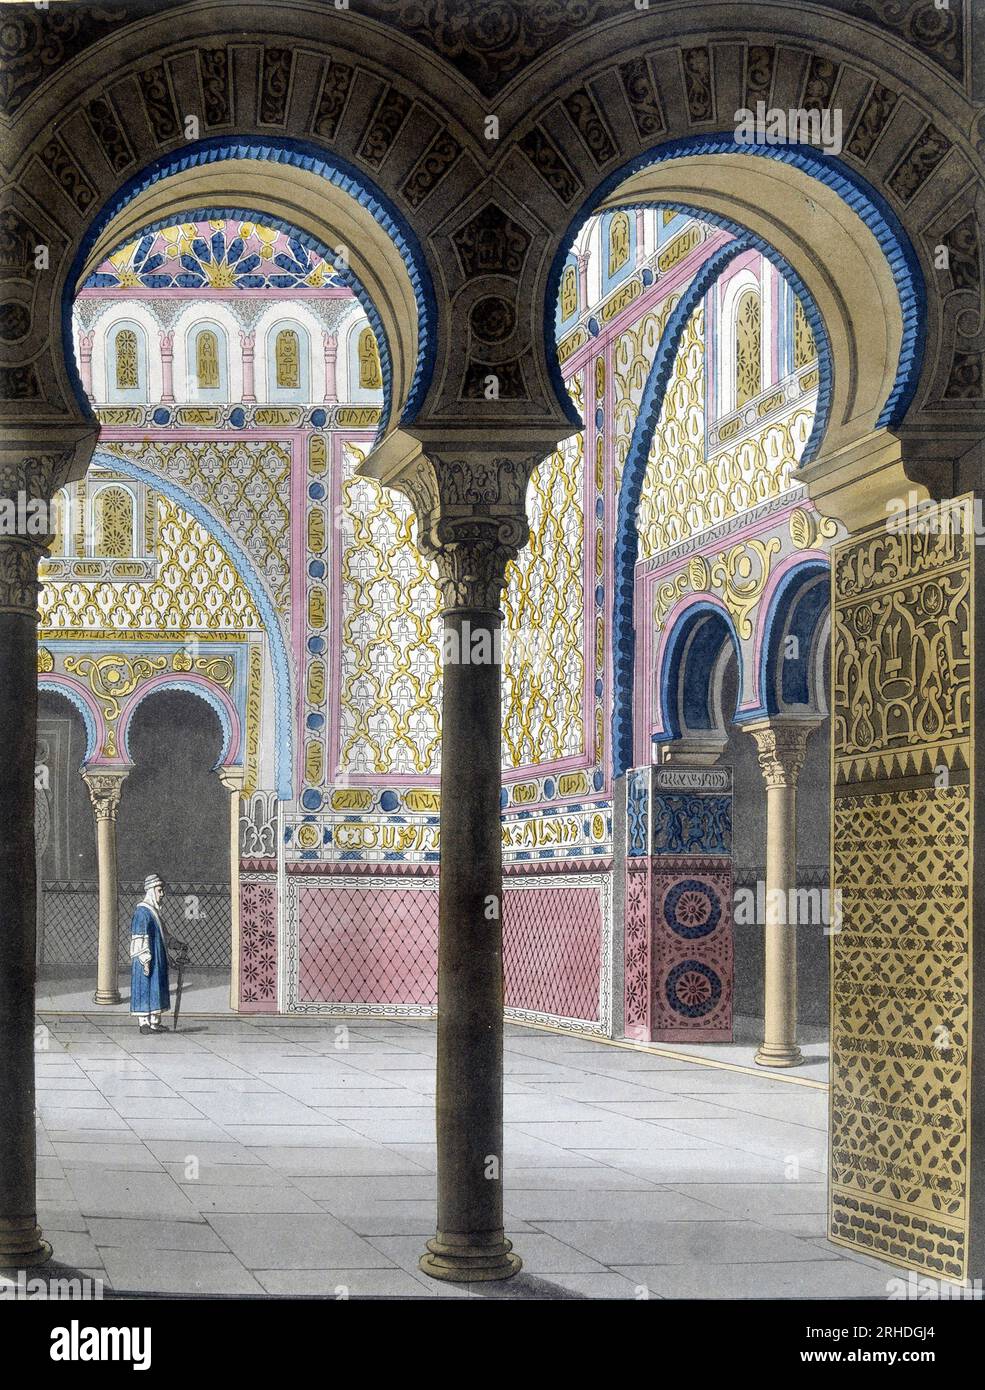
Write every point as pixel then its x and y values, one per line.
pixel 21 1244
pixel 771 1055
pixel 469 1259
pixel 107 996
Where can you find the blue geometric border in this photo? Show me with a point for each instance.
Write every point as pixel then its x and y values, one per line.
pixel 299 154
pixel 271 623
pixel 858 194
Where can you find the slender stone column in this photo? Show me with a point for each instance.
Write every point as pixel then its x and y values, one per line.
pixel 470 505
pixel 35 477
pixel 166 341
pixel 232 779
pixel 247 342
pixel 331 346
pixel 781 745
pixel 582 282
pixel 85 362
pixel 105 787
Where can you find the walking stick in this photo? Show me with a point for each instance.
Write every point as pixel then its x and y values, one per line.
pixel 178 954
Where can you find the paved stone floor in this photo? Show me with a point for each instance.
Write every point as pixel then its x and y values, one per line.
pixel 288 1156
pixel 67 989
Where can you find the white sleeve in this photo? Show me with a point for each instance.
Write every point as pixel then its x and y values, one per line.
pixel 140 946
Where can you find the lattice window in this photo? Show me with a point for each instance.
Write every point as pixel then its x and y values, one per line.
pixel 370 371
pixel 207 360
pixel 569 291
pixel 748 347
pixel 113 516
pixel 127 365
pixel 618 241
pixel 804 347
pixel 287 356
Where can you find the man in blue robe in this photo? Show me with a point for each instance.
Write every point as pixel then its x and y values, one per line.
pixel 150 994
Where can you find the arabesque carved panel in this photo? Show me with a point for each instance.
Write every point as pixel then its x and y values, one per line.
pixel 902 862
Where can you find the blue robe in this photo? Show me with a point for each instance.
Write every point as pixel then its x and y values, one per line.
pixel 149 993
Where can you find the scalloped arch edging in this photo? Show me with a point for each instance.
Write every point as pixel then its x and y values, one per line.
pixel 860 196
pixel 299 154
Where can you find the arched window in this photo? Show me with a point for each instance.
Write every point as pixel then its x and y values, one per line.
pixel 207 360
pixel 113 523
pixel 127 363
pixel 370 372
pixel 748 348
pixel 287 356
pixel 804 347
pixel 569 291
pixel 618 241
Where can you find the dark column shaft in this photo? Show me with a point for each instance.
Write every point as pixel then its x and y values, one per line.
pixel 469 1244
pixel 20 1239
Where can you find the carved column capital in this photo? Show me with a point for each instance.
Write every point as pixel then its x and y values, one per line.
pixel 469 491
pixel 471 520
pixel 37 474
pixel 781 745
pixel 28 481
pixel 232 778
pixel 247 339
pixel 105 789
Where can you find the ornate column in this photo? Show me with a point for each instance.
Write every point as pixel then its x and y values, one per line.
pixel 470 505
pixel 781 744
pixel 166 341
pixel 85 362
pixel 87 310
pixel 30 474
pixel 232 779
pixel 247 342
pixel 105 786
pixel 331 345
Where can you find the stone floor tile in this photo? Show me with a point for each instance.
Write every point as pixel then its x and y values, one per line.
pixel 283 1241
pixel 617 1243
pixel 106 1193
pixel 801 1279
pixel 178 1271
